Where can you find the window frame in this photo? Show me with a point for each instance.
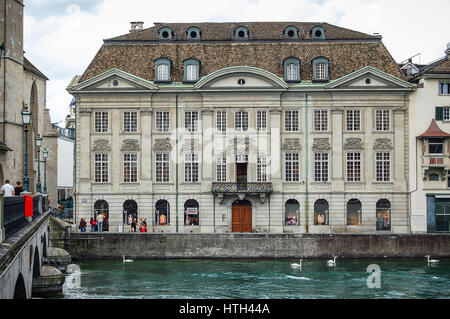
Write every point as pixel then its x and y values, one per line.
pixel 295 61
pixel 166 62
pixel 355 162
pixel 191 168
pixel 222 124
pixel 101 128
pixel 261 169
pixel 382 120
pixel 165 121
pixel 260 120
pixel 242 117
pixel 319 61
pixel 290 164
pixel 100 164
pixel 351 120
pixel 320 121
pixel 289 121
pixel 321 167
pixel 443 87
pixel 382 161
pixel 132 169
pixel 221 169
pixel 191 124
pixel 129 128
pixel 164 165
pixel 186 64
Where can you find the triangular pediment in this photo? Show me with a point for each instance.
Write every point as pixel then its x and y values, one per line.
pixel 114 80
pixel 369 78
pixel 241 78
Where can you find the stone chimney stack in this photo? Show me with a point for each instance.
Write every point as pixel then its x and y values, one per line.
pixel 136 26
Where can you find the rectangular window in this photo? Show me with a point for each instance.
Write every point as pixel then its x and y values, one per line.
pixel 353 120
pixel 162 167
pixel 320 120
pixel 321 167
pixel 444 88
pixel 221 121
pixel 101 122
pixel 292 73
pixel 292 170
pixel 383 166
pixel 446 113
pixel 221 169
pixel 191 168
pixel 261 169
pixel 101 168
pixel 130 168
pixel 241 121
pixel 320 71
pixel 130 122
pixel 163 72
pixel 162 121
pixel 191 121
pixel 436 146
pixel 191 72
pixel 261 121
pixel 291 121
pixel 353 167
pixel 382 120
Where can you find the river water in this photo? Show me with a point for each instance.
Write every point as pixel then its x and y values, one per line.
pixel 257 279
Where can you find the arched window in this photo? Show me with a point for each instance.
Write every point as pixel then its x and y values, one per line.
pixel 241 121
pixel 291 69
pixel 191 213
pixel 193 33
pixel 320 69
pixel 241 33
pixel 191 70
pixel 321 212
pixel 383 215
pixel 101 206
pixel 162 213
pixel 291 212
pixel 162 70
pixel 354 212
pixel 165 33
pixel 317 33
pixel 130 211
pixel 291 32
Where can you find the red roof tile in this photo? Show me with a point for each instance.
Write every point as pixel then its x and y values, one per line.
pixel 434 131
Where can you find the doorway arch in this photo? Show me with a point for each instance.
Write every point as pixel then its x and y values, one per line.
pixel 102 206
pixel 241 216
pixel 130 207
pixel 19 291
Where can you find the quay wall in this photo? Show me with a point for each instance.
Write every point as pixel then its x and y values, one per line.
pixel 84 246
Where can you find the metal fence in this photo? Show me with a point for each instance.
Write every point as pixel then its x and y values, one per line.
pixel 14 211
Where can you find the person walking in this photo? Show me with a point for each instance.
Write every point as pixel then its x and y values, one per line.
pixel 100 218
pixel 18 189
pixel 92 222
pixel 8 189
pixel 82 226
pixel 133 225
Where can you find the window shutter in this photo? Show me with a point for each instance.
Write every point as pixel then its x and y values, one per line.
pixel 439 116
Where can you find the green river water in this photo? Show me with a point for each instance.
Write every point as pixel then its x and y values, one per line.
pixel 256 279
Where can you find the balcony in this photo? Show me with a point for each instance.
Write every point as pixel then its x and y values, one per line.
pixel 241 189
pixel 435 162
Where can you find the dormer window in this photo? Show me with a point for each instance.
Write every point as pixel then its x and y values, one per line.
pixel 162 70
pixel 291 32
pixel 191 70
pixel 241 33
pixel 292 70
pixel 317 33
pixel 320 69
pixel 193 33
pixel 166 33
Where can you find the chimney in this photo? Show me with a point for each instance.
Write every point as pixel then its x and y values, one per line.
pixel 447 52
pixel 136 26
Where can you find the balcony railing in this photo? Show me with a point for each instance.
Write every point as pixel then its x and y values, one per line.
pixel 435 161
pixel 241 189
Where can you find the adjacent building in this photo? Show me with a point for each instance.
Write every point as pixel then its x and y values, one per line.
pixel 429 139
pixel 244 127
pixel 22 84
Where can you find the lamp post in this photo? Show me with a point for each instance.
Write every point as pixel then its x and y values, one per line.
pixel 45 155
pixel 38 140
pixel 26 117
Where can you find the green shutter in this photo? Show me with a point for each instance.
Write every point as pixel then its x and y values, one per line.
pixel 439 116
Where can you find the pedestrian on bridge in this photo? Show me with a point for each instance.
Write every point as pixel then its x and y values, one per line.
pixel 82 225
pixel 8 188
pixel 92 222
pixel 18 189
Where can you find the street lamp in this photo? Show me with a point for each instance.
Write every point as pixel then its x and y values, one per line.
pixel 26 117
pixel 45 155
pixel 38 140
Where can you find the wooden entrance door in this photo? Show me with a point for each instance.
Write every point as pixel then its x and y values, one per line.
pixel 242 217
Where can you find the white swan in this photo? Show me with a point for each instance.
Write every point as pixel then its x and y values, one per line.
pixel 126 260
pixel 431 260
pixel 332 263
pixel 295 265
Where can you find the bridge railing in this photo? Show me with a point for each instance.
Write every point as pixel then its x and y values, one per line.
pixel 66 214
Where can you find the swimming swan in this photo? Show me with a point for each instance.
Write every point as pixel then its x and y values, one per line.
pixel 294 265
pixel 332 263
pixel 431 260
pixel 126 260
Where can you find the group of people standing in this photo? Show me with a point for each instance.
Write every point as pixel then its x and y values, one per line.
pixel 134 226
pixel 98 222
pixel 11 190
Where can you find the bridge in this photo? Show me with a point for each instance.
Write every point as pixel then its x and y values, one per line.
pixel 24 249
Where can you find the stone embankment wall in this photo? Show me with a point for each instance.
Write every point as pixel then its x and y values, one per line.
pixel 154 245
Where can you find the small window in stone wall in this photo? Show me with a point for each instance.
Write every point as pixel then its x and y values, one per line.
pixel 193 33
pixel 241 33
pixel 291 32
pixel 166 33
pixel 318 33
pixel 433 177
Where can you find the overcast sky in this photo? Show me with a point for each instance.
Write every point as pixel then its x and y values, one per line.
pixel 63 36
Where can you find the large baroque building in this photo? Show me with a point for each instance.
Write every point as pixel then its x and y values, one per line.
pixel 244 127
pixel 22 84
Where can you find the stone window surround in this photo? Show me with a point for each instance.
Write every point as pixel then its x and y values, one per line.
pixel 297 62
pixel 137 168
pixel 196 63
pixel 290 28
pixel 137 121
pixel 314 63
pixel 168 63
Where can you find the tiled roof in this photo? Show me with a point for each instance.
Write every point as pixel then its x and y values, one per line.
pixel 438 67
pixel 346 50
pixel 27 65
pixel 434 131
pixel 257 31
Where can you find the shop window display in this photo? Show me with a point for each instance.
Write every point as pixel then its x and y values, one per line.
pixel 162 213
pixel 191 213
pixel 383 215
pixel 354 212
pixel 292 211
pixel 321 209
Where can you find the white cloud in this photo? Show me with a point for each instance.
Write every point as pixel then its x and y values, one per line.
pixel 62 40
